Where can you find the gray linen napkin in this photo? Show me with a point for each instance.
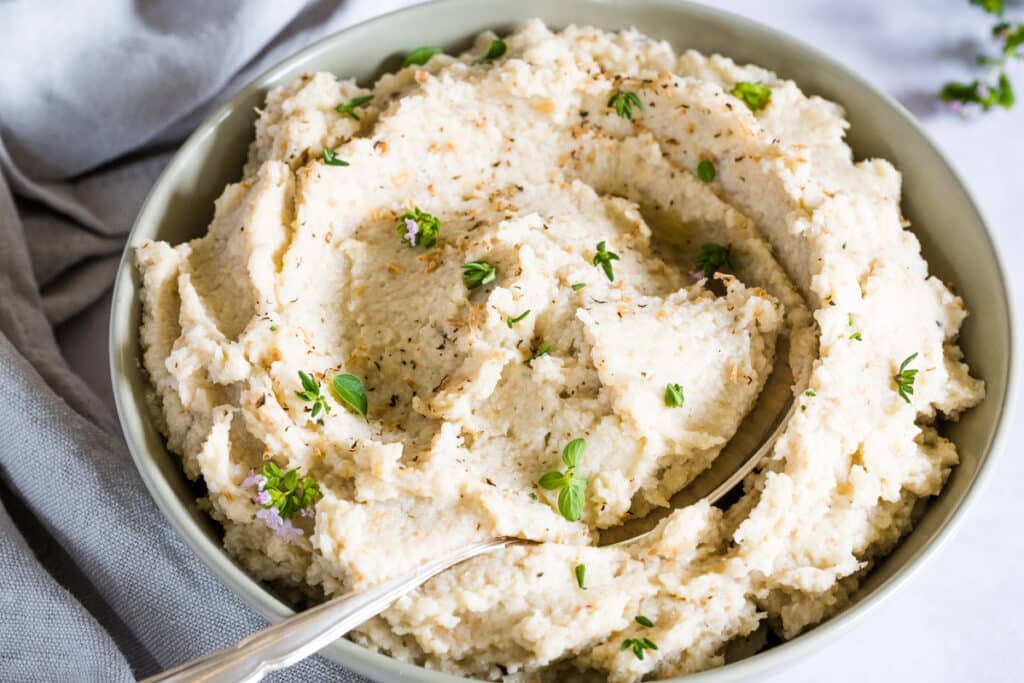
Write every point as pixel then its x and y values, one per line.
pixel 94 584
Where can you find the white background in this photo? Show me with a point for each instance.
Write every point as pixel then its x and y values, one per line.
pixel 959 619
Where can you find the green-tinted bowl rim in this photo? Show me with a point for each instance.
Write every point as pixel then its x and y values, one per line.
pixel 131 406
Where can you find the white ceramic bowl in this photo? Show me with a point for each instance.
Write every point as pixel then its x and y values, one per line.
pixel 952 233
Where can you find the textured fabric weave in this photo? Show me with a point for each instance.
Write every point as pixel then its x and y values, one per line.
pixel 94 584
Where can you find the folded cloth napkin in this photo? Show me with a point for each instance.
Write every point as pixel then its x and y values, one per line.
pixel 94 584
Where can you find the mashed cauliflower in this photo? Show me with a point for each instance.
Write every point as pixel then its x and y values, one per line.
pixel 566 169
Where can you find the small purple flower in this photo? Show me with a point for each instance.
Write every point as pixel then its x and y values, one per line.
pixel 955 107
pixel 695 276
pixel 263 498
pixel 411 230
pixel 251 480
pixel 272 516
pixel 289 531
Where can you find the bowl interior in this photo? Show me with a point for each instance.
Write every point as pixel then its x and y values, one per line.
pixel 944 219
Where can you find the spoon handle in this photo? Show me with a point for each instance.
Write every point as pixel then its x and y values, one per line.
pixel 302 634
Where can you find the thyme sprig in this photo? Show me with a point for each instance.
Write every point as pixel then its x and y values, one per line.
pixel 638 645
pixel 311 394
pixel 419 228
pixel 712 257
pixel 995 90
pixel 348 108
pixel 603 259
pixel 905 377
pixel 287 491
pixel 478 273
pixel 623 101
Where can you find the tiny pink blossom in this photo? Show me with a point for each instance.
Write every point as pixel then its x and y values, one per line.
pixel 272 516
pixel 695 276
pixel 411 230
pixel 289 531
pixel 307 512
pixel 263 497
pixel 955 107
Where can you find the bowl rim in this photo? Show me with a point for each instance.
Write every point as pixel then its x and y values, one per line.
pixel 374 665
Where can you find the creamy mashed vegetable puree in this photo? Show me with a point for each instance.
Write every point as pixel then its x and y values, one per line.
pixel 533 292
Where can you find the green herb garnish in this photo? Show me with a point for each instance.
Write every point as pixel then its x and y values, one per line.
pixel 623 102
pixel 348 108
pixel 581 574
pixel 756 96
pixel 849 323
pixel 810 393
pixel 1012 35
pixel 478 273
pixel 984 95
pixel 673 395
pixel 578 286
pixel 542 350
pixel 496 49
pixel 603 258
pixel 964 93
pixel 512 321
pixel 991 6
pixel 351 393
pixel 905 378
pixel 996 90
pixel 311 394
pixel 638 645
pixel 273 328
pixel 711 257
pixel 420 56
pixel 420 228
pixel 288 492
pixel 644 621
pixel 706 170
pixel 571 486
pixel 331 160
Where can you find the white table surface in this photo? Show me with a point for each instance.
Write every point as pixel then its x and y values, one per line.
pixel 958 620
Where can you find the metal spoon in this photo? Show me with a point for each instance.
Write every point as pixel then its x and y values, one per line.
pixel 303 634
